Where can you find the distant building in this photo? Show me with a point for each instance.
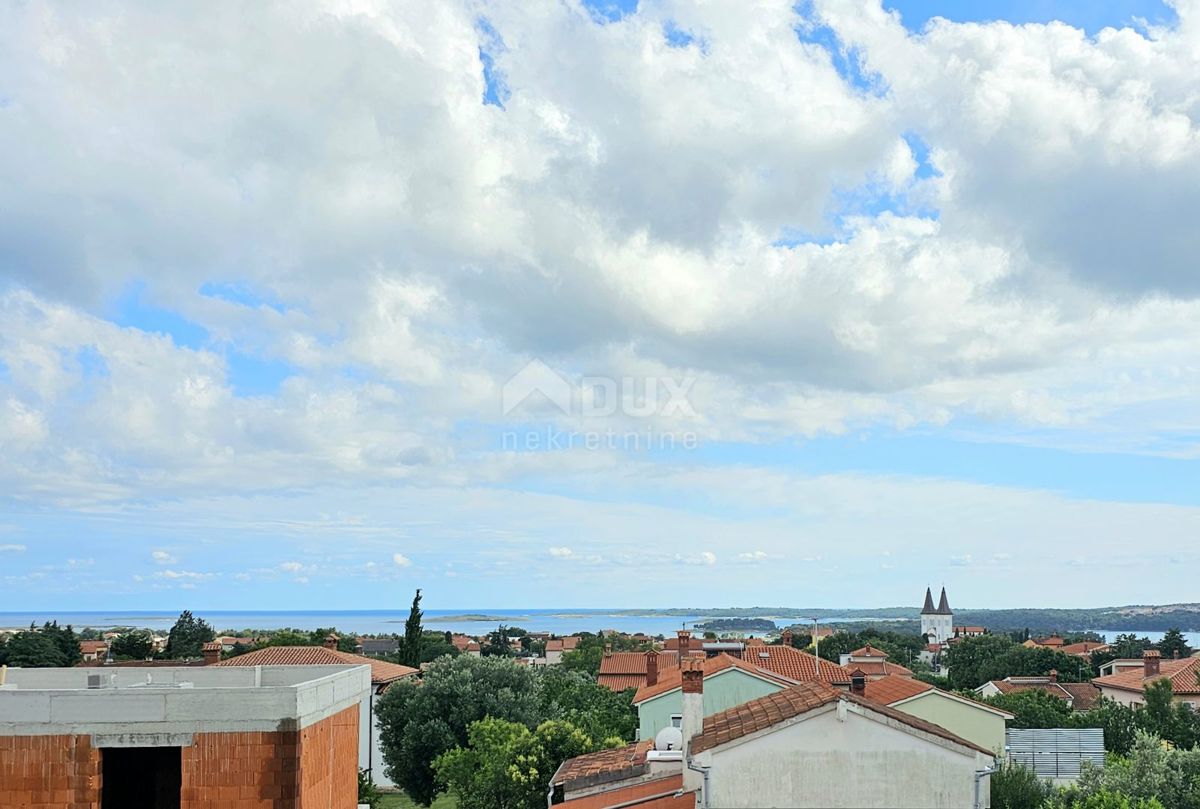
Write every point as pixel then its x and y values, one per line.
pixel 1129 687
pixel 556 647
pixel 279 736
pixel 937 623
pixel 969 631
pixel 379 647
pixel 93 650
pixel 873 663
pixel 1078 696
pixel 984 725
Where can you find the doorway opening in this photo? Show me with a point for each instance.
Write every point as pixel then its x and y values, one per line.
pixel 141 778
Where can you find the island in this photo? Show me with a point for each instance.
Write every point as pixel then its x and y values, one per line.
pixel 736 625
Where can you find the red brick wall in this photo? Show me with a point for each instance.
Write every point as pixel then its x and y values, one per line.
pixel 220 770
pixel 329 762
pixel 240 771
pixel 49 772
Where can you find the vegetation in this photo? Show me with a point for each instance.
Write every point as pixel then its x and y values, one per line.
pixel 1152 771
pixel 49 646
pixel 410 647
pixel 188 636
pixel 1016 787
pixel 420 722
pixel 136 644
pixel 507 765
pixel 737 625
pixel 974 661
pixel 587 655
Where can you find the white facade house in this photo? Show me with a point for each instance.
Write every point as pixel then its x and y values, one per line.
pixel 937 623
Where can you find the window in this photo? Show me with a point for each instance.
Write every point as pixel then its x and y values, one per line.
pixel 677 720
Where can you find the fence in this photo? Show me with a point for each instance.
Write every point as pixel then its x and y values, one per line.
pixel 1056 752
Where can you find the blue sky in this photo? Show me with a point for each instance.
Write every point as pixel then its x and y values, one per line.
pixel 596 298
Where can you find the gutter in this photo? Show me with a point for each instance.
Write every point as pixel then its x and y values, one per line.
pixel 979 776
pixel 691 765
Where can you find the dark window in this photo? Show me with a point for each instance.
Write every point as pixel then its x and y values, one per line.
pixel 141 778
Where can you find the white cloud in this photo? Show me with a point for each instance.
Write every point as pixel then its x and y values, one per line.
pixel 12 548
pixel 162 558
pixel 753 556
pixel 401 560
pixel 182 575
pixel 561 553
pixel 291 567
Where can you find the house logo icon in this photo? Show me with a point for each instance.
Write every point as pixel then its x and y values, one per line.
pixel 537 383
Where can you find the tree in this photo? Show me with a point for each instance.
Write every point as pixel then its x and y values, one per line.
pixel 1151 771
pixel 1173 721
pixel 586 659
pixel 599 712
pixel 33 649
pixel 433 645
pixel 66 640
pixel 1033 709
pixel 1173 644
pixel 1074 798
pixel 420 721
pixel 507 766
pixel 1017 787
pixel 496 643
pixel 410 648
pixel 136 644
pixel 188 636
pixel 971 661
pixel 1119 722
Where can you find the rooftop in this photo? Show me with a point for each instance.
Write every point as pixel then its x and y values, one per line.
pixel 1182 674
pixel 382 671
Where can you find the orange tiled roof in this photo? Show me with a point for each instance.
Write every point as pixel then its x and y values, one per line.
pixel 634 662
pixel 755 642
pixel 1086 695
pixel 673 677
pixel 868 651
pixel 640 794
pixel 1082 696
pixel 554 646
pixel 794 664
pixel 620 682
pixel 880 668
pixel 605 765
pixel 1084 648
pixel 1181 673
pixel 93 646
pixel 764 712
pixel 570 642
pixel 894 688
pixel 381 670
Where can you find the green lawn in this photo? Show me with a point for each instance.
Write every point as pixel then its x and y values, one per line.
pixel 401 801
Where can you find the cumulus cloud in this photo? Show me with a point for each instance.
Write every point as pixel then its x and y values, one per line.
pixel 11 548
pixel 400 560
pixel 561 553
pixel 162 558
pixel 255 270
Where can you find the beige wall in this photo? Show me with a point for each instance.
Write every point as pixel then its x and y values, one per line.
pixel 858 762
pixel 975 724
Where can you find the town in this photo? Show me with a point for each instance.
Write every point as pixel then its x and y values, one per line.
pixel 953 716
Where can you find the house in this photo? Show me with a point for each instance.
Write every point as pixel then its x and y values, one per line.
pixel 280 736
pixel 556 647
pixel 872 662
pixel 382 672
pixel 93 650
pixel 728 681
pixel 1078 696
pixel 1052 642
pixel 622 670
pixel 1120 664
pixel 937 623
pixel 466 645
pixel 969 631
pixel 1083 649
pixel 229 642
pixel 807 745
pixel 1128 687
pixel 981 724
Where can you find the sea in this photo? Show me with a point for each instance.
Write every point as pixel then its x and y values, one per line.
pixel 382 622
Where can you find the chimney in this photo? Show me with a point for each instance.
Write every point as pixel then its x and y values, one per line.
pixel 331 641
pixel 651 667
pixel 1054 675
pixel 211 652
pixel 1150 661
pixel 858 682
pixel 685 642
pixel 1176 654
pixel 787 637
pixel 607 649
pixel 692 673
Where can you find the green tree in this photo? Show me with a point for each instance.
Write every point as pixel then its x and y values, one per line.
pixel 1033 709
pixel 1074 798
pixel 496 643
pixel 584 659
pixel 66 640
pixel 420 721
pixel 410 647
pixel 1174 644
pixel 1119 722
pixel 1016 787
pixel 599 712
pixel 971 661
pixel 32 649
pixel 433 645
pixel 136 644
pixel 1173 721
pixel 188 636
pixel 1151 771
pixel 505 765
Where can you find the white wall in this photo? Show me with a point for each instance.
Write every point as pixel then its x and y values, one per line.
pixel 858 763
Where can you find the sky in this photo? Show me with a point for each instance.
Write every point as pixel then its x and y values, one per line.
pixel 599 304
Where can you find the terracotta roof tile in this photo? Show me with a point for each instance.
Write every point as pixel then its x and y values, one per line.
pixel 615 764
pixel 620 682
pixel 1086 695
pixel 868 651
pixel 93 646
pixel 894 688
pixel 381 670
pixel 794 664
pixel 1181 673
pixel 764 712
pixel 673 677
pixel 881 668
